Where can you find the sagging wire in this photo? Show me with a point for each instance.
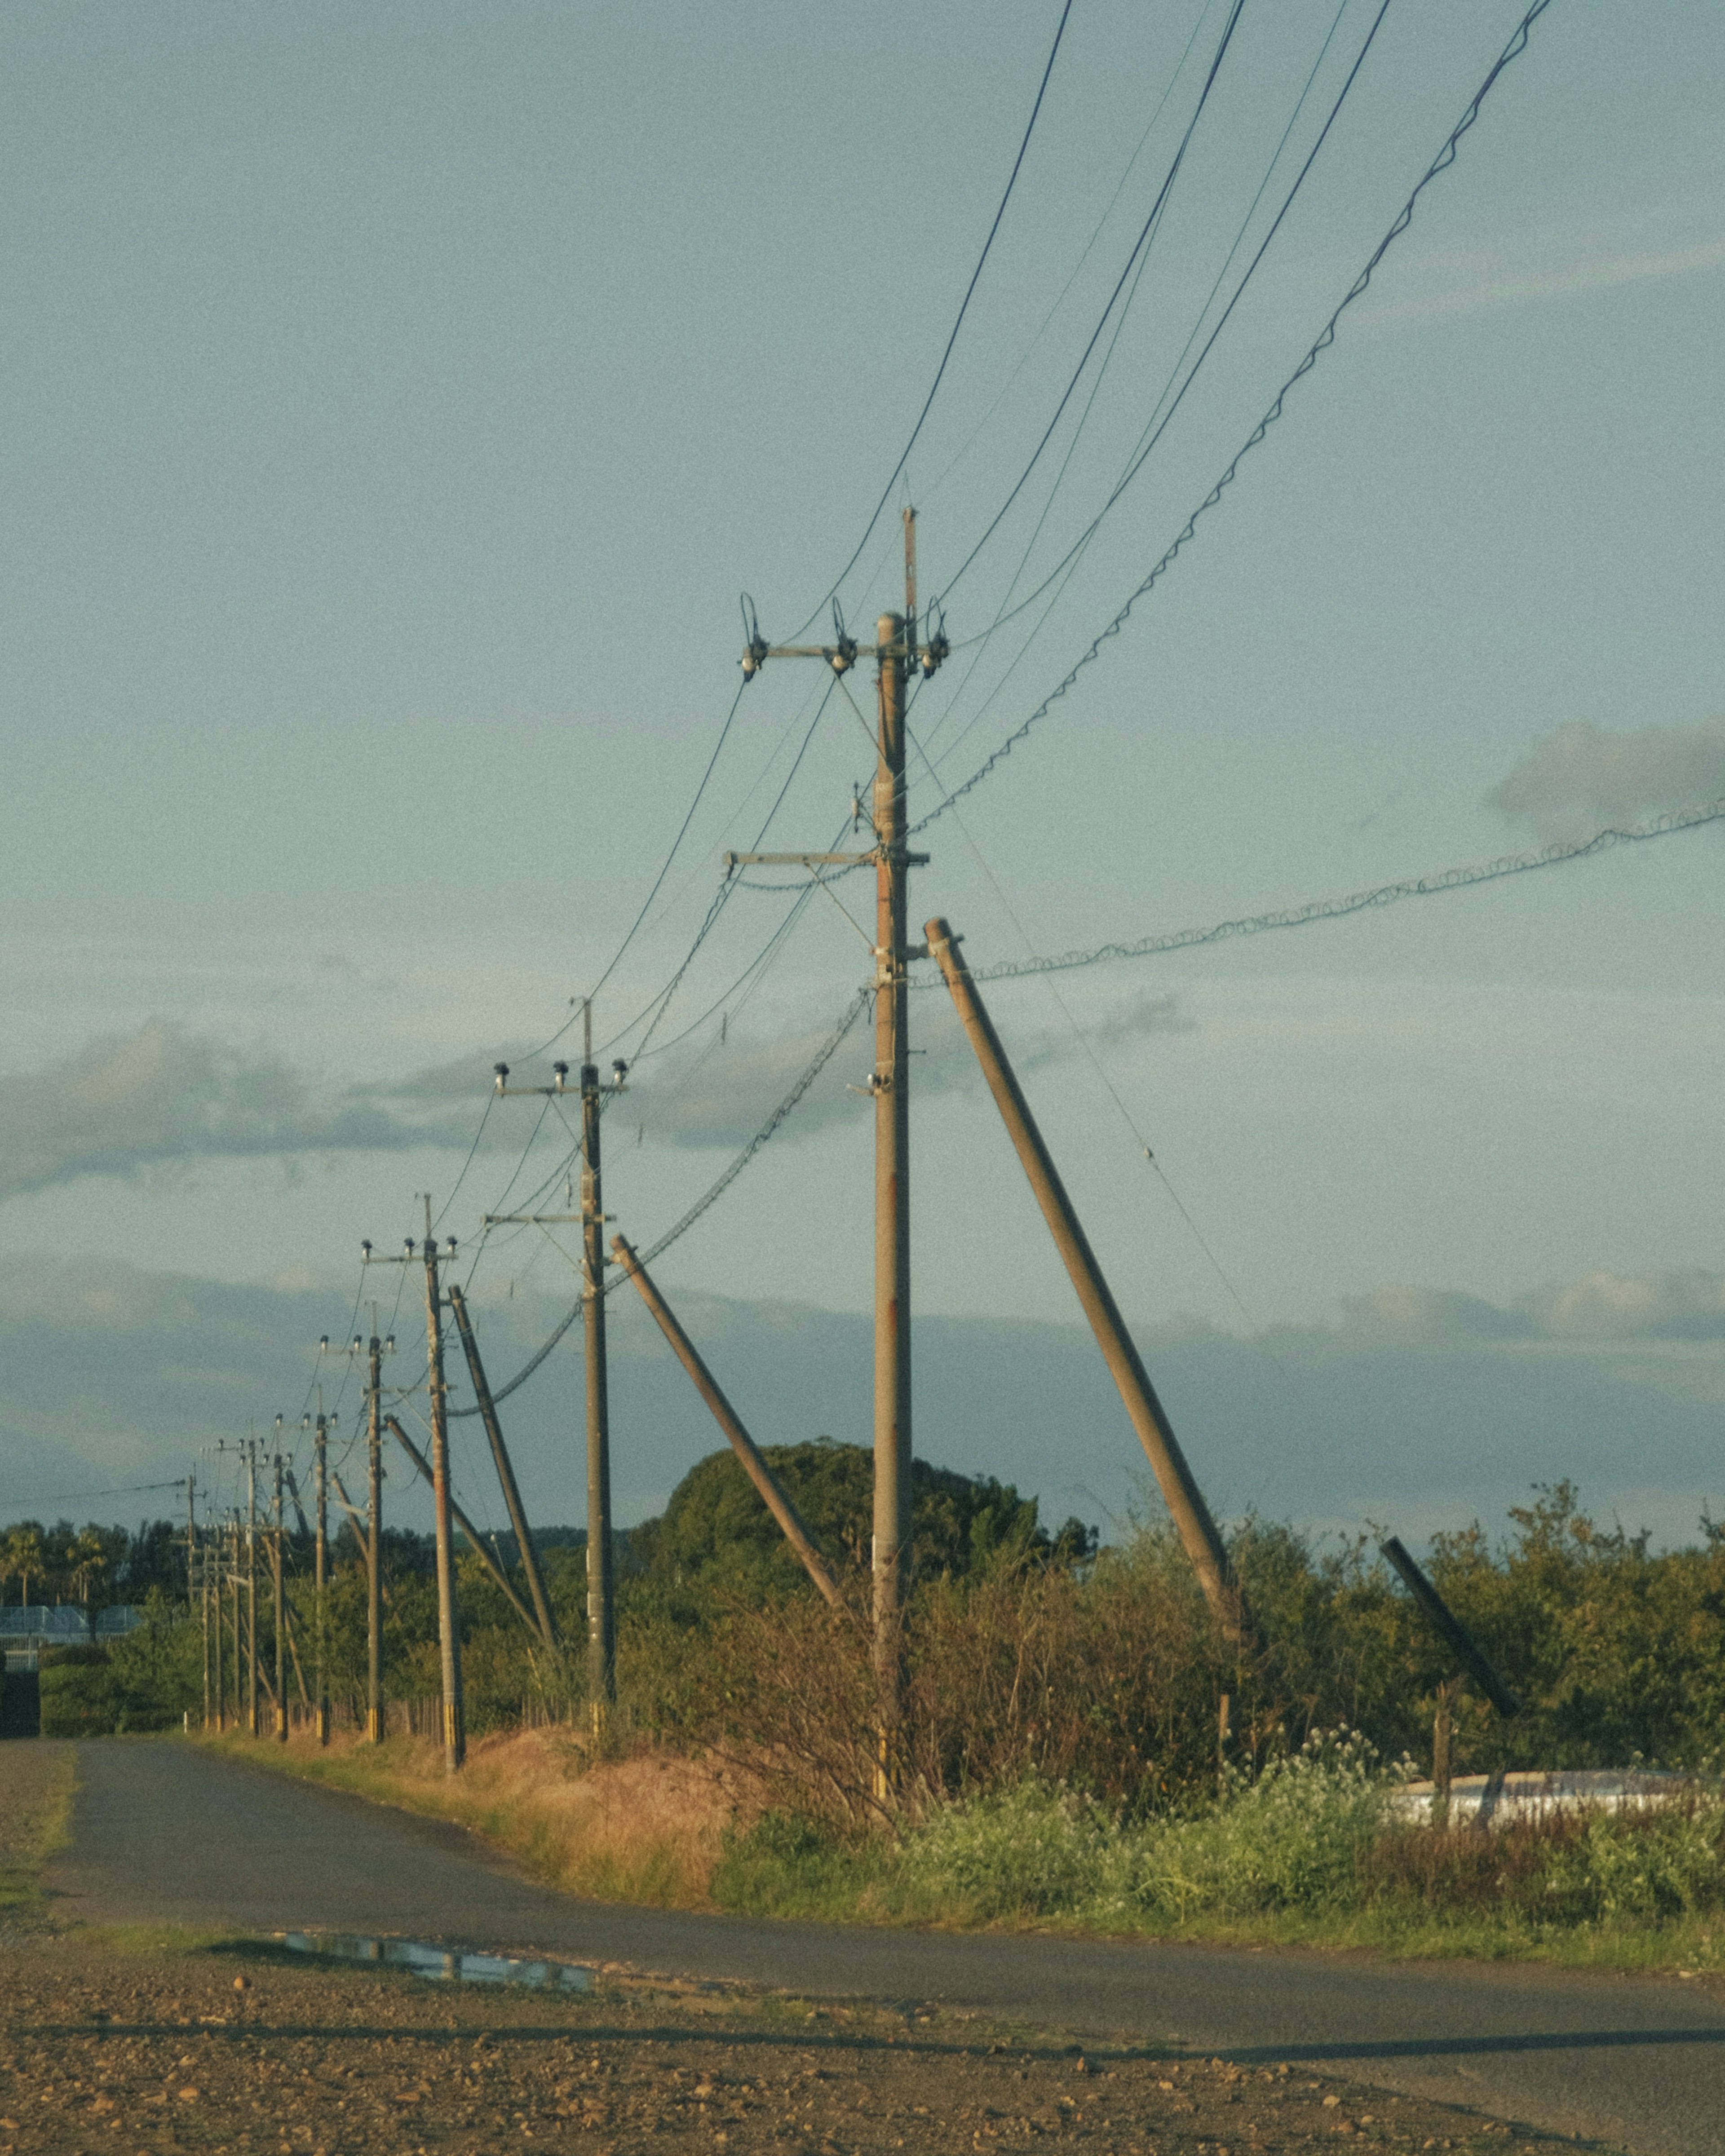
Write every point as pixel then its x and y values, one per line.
pixel 1325 338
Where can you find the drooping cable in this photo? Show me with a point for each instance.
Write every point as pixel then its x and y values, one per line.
pixel 658 880
pixel 1145 235
pixel 959 322
pixel 1360 902
pixel 787 1106
pixel 1327 336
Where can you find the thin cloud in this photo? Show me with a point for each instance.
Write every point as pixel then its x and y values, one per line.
pixel 1581 777
pixel 1686 1304
pixel 165 1096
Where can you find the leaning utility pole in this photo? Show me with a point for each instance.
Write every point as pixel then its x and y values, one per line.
pixel 1191 1516
pixel 600 1606
pixel 525 1549
pixel 896 651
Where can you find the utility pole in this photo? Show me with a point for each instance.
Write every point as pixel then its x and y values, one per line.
pixel 601 1607
pixel 280 1613
pixel 374 1531
pixel 321 1457
pixel 191 1543
pixel 203 1609
pixel 212 1593
pixel 251 1586
pixel 234 1606
pixel 896 651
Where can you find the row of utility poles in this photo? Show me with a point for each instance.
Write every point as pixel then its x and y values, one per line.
pixel 222 1557
pixel 898 651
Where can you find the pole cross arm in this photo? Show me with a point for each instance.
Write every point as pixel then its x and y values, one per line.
pixel 1449 1629
pixel 801 860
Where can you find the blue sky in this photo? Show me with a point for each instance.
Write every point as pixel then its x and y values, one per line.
pixel 398 401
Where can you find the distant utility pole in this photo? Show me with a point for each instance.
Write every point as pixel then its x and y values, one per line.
pixel 280 1613
pixel 251 1586
pixel 374 1350
pixel 374 1525
pixel 191 1543
pixel 600 1606
pixel 321 1556
pixel 203 1607
pixel 895 652
pixel 448 1615
pixel 233 1605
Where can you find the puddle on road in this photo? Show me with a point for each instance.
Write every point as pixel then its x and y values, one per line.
pixel 442 1964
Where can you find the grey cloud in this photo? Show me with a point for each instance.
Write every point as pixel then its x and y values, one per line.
pixel 1601 1306
pixel 116 1377
pixel 1580 776
pixel 721 1094
pixel 164 1096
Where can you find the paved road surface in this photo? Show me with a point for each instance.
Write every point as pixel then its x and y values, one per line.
pixel 163 1833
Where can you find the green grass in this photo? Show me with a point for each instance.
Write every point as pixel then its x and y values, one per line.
pixel 40 1826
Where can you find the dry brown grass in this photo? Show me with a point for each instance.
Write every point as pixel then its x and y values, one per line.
pixel 649 1827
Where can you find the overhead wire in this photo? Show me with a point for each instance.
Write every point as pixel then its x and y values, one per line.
pixel 958 321
pixel 1006 611
pixel 935 484
pixel 710 1196
pixel 1338 908
pixel 1144 240
pixel 1517 45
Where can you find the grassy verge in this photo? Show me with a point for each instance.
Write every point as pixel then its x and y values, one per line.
pixel 36 1785
pixel 1309 1859
pixel 648 1829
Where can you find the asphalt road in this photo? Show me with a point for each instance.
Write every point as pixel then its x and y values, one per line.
pixel 163 1833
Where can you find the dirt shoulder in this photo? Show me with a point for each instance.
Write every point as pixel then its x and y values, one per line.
pixel 122 2041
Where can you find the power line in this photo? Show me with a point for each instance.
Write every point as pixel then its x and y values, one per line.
pixel 1139 245
pixel 1006 611
pixel 1359 901
pixel 828 1048
pixel 969 290
pixel 1446 157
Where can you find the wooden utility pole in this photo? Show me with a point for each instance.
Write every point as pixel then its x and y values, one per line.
pixel 321 1552
pixel 505 1471
pixel 1178 1485
pixel 601 1609
pixel 374 1544
pixel 191 1543
pixel 251 1587
pixel 476 1540
pixel 213 1590
pixel 767 1484
pixel 448 1615
pixel 203 1606
pixel 233 1610
pixel 896 651
pixel 281 1613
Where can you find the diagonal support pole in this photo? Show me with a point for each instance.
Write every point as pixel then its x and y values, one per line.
pixel 1178 1485
pixel 466 1526
pixel 505 1471
pixel 773 1495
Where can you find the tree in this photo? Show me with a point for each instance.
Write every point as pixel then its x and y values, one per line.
pixel 26 1558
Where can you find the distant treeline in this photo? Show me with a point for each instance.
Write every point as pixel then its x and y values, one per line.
pixel 93 1566
pixel 1027 1650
